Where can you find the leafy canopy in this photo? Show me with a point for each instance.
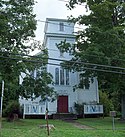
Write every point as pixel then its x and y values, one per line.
pixel 100 42
pixel 17 40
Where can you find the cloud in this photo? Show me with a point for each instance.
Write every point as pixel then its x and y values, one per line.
pixel 52 9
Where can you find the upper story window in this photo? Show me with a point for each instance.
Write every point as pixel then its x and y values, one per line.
pixel 61 26
pixel 57 76
pixel 67 77
pixel 61 76
pixel 84 83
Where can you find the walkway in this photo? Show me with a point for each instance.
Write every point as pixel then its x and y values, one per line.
pixel 78 125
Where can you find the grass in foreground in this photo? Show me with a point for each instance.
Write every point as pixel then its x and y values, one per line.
pixel 30 128
pixel 103 123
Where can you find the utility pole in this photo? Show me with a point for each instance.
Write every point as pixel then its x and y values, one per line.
pixel 1 103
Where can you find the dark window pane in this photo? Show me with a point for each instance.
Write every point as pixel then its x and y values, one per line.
pixel 57 76
pixel 61 26
pixel 84 82
pixel 67 77
pixel 62 76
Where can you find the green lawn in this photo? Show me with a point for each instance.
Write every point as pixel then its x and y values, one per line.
pixel 103 123
pixel 30 128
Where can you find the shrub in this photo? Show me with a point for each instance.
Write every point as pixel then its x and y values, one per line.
pixel 106 102
pixel 79 108
pixel 12 111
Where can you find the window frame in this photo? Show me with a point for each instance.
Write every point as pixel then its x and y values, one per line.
pixel 62 76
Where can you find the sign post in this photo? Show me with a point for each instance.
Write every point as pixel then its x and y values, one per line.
pixel 113 114
pixel 46 115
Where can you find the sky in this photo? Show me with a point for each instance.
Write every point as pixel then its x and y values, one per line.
pixel 52 9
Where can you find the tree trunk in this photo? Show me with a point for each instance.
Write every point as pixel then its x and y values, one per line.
pixel 123 106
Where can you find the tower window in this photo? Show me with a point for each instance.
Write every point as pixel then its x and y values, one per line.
pixel 61 26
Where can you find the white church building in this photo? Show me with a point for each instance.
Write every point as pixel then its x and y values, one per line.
pixel 57 30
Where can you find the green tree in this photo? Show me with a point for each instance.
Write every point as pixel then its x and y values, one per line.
pixel 17 26
pixel 37 85
pixel 101 44
pixel 17 23
pixel 107 103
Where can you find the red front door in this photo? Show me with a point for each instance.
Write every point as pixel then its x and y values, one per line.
pixel 63 104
